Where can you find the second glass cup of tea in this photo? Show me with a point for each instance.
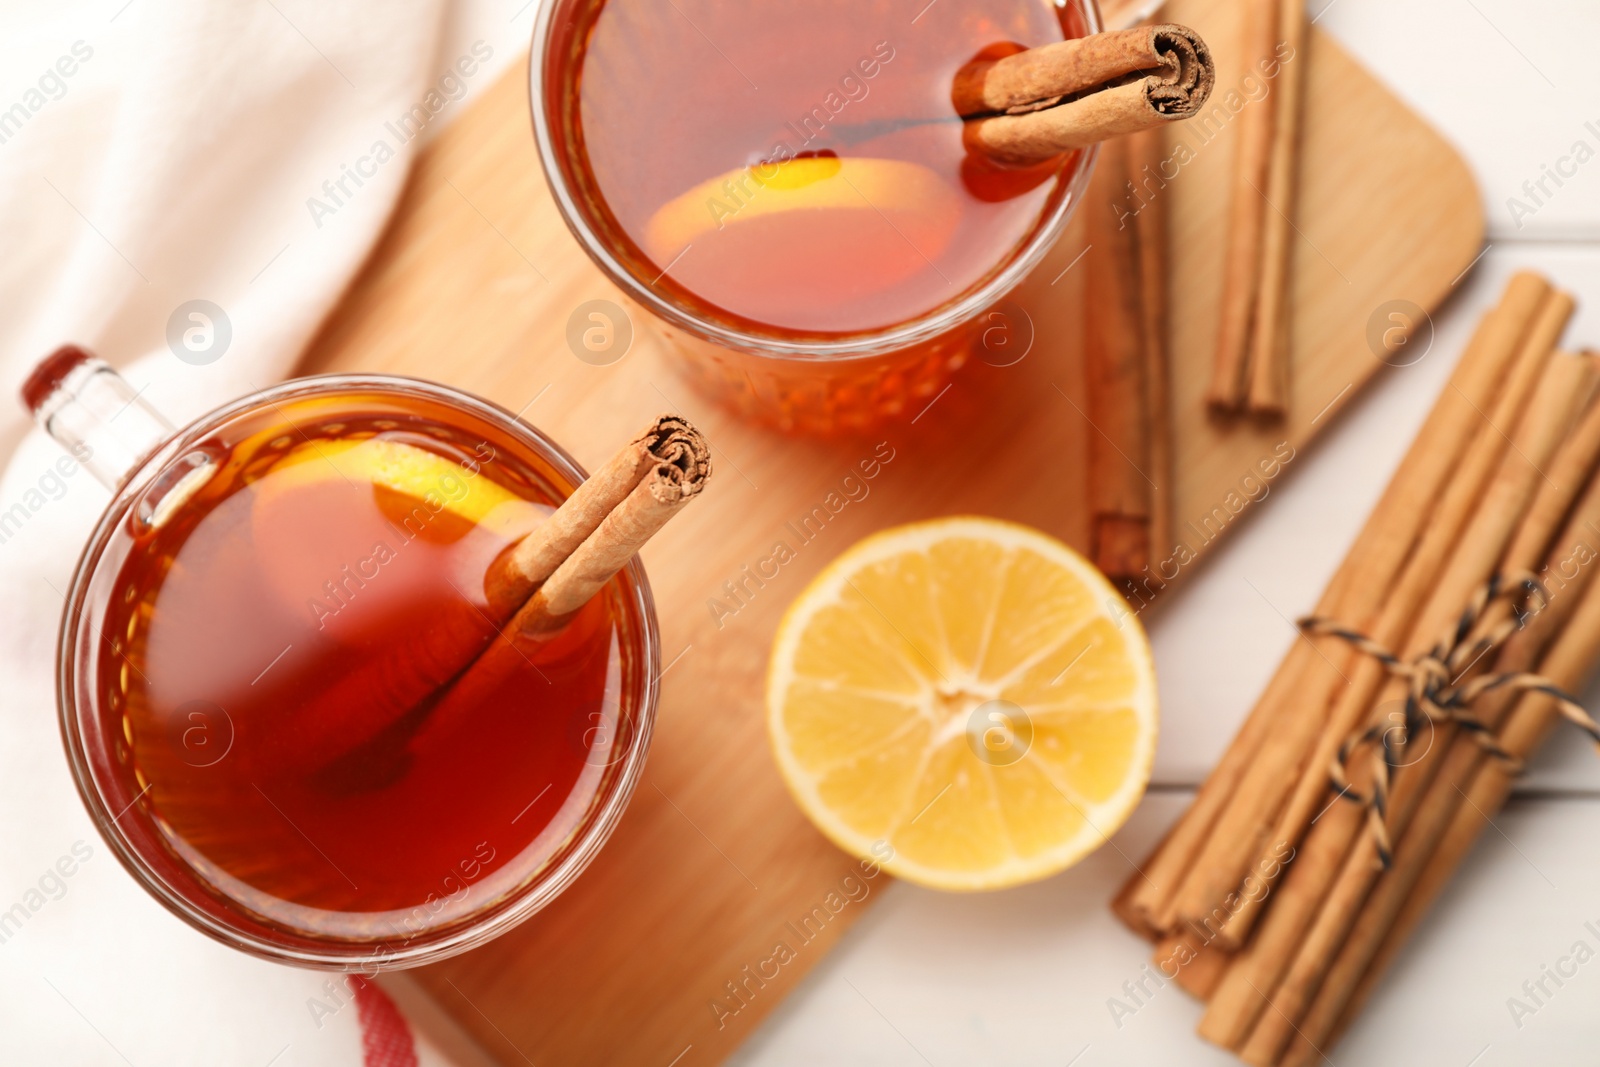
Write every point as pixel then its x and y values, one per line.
pixel 784 186
pixel 252 653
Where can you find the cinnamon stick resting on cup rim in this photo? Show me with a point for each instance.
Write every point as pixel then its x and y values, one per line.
pixel 1034 105
pixel 604 521
pixel 541 581
pixel 660 493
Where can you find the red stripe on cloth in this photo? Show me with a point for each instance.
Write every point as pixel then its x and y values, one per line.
pixel 385 1037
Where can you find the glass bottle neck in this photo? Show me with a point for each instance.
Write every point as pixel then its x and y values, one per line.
pixel 94 413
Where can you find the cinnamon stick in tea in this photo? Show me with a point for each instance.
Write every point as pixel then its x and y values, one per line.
pixel 1033 105
pixel 663 490
pixel 1244 258
pixel 1269 360
pixel 670 452
pixel 554 570
pixel 1120 487
pixel 668 465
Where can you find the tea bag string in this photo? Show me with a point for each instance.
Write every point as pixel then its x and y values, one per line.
pixel 1436 694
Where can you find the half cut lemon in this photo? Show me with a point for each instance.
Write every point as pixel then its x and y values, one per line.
pixel 967 697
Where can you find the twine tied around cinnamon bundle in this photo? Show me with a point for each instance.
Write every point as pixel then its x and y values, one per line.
pixel 1436 694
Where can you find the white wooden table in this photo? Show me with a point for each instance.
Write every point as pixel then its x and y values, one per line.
pixel 1023 977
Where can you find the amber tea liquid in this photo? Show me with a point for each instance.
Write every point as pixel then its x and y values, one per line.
pixel 268 647
pixel 797 168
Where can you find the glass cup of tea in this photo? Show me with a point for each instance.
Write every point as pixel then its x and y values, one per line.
pixel 783 186
pixel 250 652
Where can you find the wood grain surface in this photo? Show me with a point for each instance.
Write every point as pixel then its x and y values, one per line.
pixel 474 284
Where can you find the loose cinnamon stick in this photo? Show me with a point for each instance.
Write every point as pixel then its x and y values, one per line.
pixel 1034 105
pixel 1338 898
pixel 1269 359
pixel 1146 153
pixel 1465 760
pixel 1200 843
pixel 1247 216
pixel 1120 487
pixel 1448 568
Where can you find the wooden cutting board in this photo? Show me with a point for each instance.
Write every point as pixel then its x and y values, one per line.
pixel 473 285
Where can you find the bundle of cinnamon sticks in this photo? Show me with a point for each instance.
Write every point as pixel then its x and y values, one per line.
pixel 1252 359
pixel 1281 900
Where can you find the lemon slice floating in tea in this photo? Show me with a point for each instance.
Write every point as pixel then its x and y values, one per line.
pixel 404 470
pixel 965 692
pixel 810 230
pixel 349 508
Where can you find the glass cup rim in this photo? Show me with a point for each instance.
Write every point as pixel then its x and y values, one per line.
pixel 353 956
pixel 863 345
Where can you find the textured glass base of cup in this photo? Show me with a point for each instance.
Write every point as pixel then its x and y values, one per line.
pixel 824 397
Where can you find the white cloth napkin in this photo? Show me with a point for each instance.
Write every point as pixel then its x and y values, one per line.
pixel 154 153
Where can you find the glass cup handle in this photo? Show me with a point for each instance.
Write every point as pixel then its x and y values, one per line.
pixel 94 413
